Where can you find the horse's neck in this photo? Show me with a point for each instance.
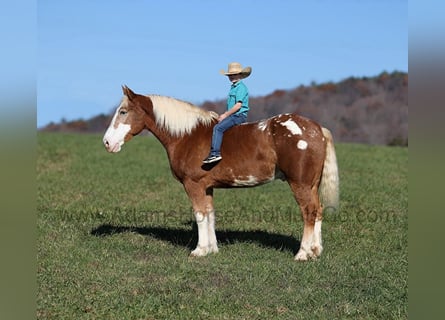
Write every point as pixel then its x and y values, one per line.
pixel 160 133
pixel 173 121
pixel 165 137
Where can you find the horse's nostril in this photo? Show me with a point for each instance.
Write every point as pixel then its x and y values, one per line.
pixel 106 143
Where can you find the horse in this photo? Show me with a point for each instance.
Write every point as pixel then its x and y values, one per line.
pixel 287 147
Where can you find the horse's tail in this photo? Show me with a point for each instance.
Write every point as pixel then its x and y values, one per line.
pixel 329 185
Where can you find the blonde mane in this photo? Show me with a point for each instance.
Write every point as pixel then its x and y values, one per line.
pixel 179 117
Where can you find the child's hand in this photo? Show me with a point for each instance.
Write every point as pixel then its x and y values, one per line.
pixel 222 117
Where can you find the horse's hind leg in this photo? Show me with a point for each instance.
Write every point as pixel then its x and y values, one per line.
pixel 311 211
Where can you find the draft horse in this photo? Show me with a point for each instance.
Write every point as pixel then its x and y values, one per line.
pixel 287 147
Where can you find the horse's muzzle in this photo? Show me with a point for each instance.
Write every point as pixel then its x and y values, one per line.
pixel 112 147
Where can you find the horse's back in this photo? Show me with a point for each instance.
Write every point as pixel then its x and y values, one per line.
pixel 289 143
pixel 256 152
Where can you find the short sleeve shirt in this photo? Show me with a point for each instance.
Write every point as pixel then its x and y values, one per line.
pixel 238 92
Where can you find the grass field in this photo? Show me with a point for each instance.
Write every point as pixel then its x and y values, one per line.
pixel 115 232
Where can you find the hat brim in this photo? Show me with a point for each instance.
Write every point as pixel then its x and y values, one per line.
pixel 245 72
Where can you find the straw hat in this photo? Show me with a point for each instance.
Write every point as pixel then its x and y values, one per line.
pixel 236 68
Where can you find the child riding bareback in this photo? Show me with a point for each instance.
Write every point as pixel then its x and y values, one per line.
pixel 237 108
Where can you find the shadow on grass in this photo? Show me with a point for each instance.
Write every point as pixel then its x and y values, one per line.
pixel 189 238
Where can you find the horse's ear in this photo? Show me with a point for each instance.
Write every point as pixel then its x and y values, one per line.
pixel 128 92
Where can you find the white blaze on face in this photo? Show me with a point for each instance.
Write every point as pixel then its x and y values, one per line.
pixel 114 137
pixel 292 127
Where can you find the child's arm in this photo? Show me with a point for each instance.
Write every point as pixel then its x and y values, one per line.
pixel 232 110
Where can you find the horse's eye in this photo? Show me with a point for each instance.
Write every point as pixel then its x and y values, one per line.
pixel 123 112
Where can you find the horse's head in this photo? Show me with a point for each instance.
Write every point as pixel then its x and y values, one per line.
pixel 127 122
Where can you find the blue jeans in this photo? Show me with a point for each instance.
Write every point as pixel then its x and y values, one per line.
pixel 220 128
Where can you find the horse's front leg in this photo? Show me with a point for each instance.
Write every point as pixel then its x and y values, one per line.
pixel 202 201
pixel 213 243
pixel 207 242
pixel 203 247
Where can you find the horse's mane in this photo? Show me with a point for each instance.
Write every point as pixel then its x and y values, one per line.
pixel 179 117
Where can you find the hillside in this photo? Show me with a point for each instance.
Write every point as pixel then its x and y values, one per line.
pixel 372 110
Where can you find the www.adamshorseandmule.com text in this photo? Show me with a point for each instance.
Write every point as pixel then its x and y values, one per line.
pixel 264 216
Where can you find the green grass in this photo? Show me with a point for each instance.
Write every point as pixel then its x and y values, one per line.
pixel 115 232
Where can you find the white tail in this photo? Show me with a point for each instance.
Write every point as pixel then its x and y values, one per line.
pixel 329 185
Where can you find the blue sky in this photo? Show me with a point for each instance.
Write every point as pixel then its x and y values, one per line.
pixel 87 49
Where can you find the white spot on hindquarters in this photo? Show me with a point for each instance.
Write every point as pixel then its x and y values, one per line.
pixel 292 127
pixel 302 145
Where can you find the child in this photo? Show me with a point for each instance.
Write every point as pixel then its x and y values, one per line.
pixel 237 108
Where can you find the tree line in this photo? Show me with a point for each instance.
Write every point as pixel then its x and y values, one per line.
pixel 372 110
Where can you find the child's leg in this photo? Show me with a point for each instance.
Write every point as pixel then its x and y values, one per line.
pixel 218 132
pixel 220 128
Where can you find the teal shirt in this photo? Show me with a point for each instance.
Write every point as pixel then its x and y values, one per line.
pixel 238 92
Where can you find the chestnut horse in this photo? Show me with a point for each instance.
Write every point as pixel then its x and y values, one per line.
pixel 287 147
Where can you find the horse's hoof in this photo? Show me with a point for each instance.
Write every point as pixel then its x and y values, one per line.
pixel 199 252
pixel 317 250
pixel 213 249
pixel 301 256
